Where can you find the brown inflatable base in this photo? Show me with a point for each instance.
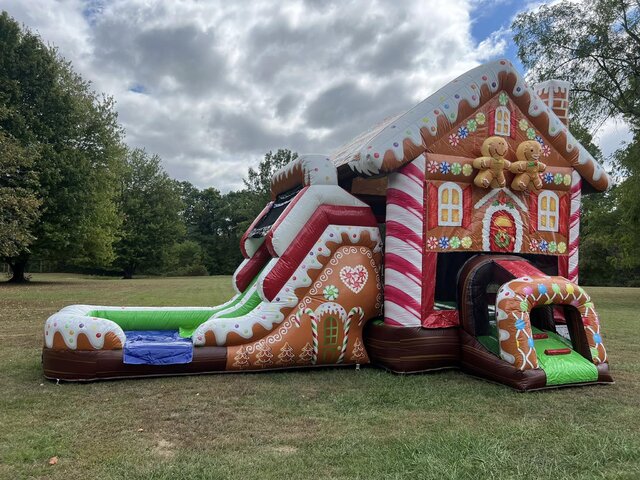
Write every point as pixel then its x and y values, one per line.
pixel 96 365
pixel 89 365
pixel 407 350
pixel 412 349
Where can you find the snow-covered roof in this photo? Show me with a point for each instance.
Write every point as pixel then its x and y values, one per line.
pixel 400 139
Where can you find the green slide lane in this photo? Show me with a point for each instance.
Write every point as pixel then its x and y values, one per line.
pixel 186 321
pixel 252 302
pixel 563 369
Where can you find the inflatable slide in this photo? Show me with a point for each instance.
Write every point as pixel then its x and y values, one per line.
pixel 309 282
pixel 477 193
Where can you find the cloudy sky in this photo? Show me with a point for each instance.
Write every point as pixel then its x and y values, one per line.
pixel 211 86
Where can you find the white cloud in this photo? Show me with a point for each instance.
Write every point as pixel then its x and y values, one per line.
pixel 212 86
pixel 612 135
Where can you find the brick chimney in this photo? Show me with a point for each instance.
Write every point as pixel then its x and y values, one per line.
pixel 555 93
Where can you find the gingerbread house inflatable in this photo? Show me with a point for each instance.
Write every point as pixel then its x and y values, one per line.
pixel 444 237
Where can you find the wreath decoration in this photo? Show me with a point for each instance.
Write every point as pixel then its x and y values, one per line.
pixel 502 239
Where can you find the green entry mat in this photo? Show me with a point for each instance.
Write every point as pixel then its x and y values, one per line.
pixel 559 369
pixel 563 369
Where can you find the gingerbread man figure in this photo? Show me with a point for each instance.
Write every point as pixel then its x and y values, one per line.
pixel 492 163
pixel 528 166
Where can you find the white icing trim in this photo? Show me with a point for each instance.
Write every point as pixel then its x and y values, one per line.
pixel 494 191
pixel 268 314
pixel 299 214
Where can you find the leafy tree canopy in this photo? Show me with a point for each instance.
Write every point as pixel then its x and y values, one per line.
pixel 50 110
pixel 594 45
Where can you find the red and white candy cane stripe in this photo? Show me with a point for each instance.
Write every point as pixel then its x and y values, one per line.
pixel 300 313
pixel 574 226
pixel 347 326
pixel 404 241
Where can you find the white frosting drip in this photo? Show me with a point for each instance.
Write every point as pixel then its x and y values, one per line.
pixel 365 154
pixel 70 325
pixel 268 313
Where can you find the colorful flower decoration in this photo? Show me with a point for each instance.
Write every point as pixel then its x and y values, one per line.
pixel 463 132
pixel 531 133
pixel 443 243
pixel 433 166
pixel 480 118
pixel 533 245
pixel 543 245
pixel 539 139
pixel 562 247
pixel 454 242
pixel 445 167
pixel 558 179
pixel 472 125
pixel 467 170
pixel 553 246
pixel 548 177
pixel 331 293
pixel 432 243
pixel 503 98
pixel 546 150
pixel 454 140
pixel 567 179
pixel 523 124
pixel 466 242
pixel 456 168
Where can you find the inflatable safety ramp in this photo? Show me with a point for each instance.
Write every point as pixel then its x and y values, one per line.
pixel 526 329
pixel 309 282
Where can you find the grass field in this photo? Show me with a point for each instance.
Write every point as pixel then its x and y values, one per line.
pixel 338 423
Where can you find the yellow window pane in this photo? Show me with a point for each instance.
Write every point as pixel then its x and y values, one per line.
pixel 552 204
pixel 499 115
pixel 444 215
pixel 543 220
pixel 455 216
pixel 552 222
pixel 455 197
pixel 445 196
pixel 543 204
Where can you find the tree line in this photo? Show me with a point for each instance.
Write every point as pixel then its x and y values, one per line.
pixel 72 192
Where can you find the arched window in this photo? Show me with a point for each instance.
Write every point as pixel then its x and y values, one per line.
pixel 502 125
pixel 449 205
pixel 331 331
pixel 548 211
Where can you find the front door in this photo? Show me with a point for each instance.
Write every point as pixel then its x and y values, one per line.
pixel 330 336
pixel 502 232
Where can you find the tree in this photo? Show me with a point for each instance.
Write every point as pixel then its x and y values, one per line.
pixel 264 357
pixel 18 201
pixel 286 355
pixel 594 45
pixel 258 182
pixel 150 206
pixel 52 111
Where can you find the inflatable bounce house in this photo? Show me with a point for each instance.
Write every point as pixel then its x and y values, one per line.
pixel 444 237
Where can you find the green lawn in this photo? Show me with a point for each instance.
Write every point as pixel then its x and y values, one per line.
pixel 338 423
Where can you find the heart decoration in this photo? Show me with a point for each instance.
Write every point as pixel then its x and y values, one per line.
pixel 354 278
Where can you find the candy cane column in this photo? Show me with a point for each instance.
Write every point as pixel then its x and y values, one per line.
pixel 568 265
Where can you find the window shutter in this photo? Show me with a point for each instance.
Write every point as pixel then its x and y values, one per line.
pixel 492 122
pixel 533 212
pixel 432 206
pixel 467 207
pixel 563 217
pixel 512 132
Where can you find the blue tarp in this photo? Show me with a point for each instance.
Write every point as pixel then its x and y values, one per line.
pixel 156 347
